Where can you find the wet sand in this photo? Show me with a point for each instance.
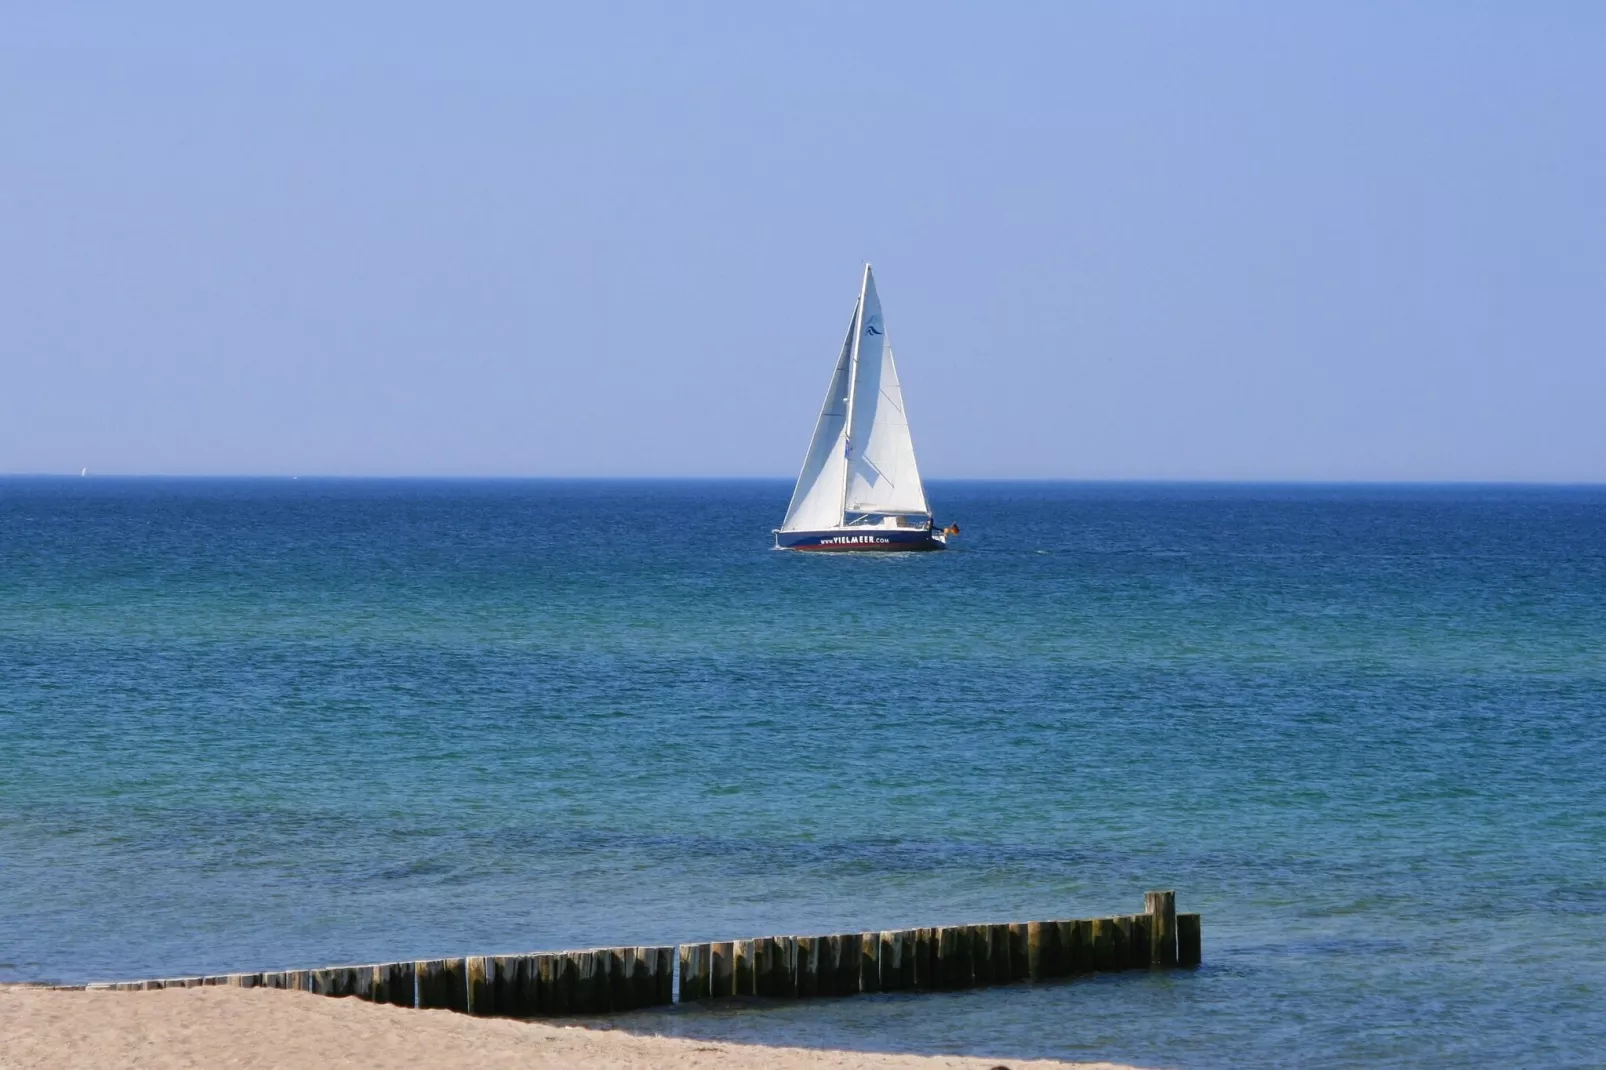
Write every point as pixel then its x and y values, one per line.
pixel 238 1027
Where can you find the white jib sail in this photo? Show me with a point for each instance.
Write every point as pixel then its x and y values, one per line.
pixel 817 499
pixel 882 476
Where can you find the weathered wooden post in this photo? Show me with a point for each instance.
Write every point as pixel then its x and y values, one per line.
pixel 1084 959
pixel 442 984
pixel 850 965
pixel 546 969
pixel 1121 957
pixel 870 962
pixel 621 977
pixel 1189 952
pixel 1104 958
pixel 925 958
pixel 481 1000
pixel 643 986
pixel 808 967
pixel 764 966
pixel 744 967
pixel 988 943
pixel 723 974
pixel 948 955
pixel 1139 946
pixel 393 983
pixel 696 978
pixel 1042 950
pixel 892 963
pixel 594 995
pixel 1162 908
pixel 505 976
pixel 1018 955
pixel 784 967
pixel 664 976
pixel 334 980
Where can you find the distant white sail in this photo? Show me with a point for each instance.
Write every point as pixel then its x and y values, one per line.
pixel 882 474
pixel 817 498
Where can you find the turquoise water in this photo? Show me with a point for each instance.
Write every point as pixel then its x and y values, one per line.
pixel 255 724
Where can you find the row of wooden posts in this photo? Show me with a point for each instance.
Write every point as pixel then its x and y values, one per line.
pixel 609 980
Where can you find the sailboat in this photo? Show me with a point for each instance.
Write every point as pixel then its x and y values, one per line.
pixel 860 488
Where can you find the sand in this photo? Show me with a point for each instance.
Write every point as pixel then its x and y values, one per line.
pixel 239 1027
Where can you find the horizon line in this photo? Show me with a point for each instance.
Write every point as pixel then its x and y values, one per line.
pixel 1109 480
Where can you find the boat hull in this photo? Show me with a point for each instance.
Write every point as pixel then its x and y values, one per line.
pixel 861 540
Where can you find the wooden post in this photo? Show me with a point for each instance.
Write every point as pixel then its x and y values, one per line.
pixel 1141 937
pixel 582 992
pixel 827 960
pixel 545 969
pixel 723 970
pixel 664 977
pixel 870 962
pixel 621 977
pixel 1162 907
pixel 1001 952
pixel 745 977
pixel 784 968
pixel 944 948
pixel 565 973
pixel 987 944
pixel 764 966
pixel 978 969
pixel 535 996
pixel 1085 960
pixel 848 966
pixel 1189 951
pixel 591 982
pixel 1103 944
pixel 442 984
pixel 808 967
pixel 696 979
pixel 952 957
pixel 643 977
pixel 334 981
pixel 365 982
pixel 925 959
pixel 1070 948
pixel 393 983
pixel 1121 956
pixel 1042 950
pixel 504 975
pixel 891 961
pixel 1019 960
pixel 481 999
pixel 254 980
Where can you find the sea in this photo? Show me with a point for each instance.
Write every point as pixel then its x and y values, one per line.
pixel 268 723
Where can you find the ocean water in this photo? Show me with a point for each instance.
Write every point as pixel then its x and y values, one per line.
pixel 248 724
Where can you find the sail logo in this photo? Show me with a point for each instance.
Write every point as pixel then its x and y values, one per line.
pixel 870 326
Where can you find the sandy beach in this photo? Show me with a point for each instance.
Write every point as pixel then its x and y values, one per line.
pixel 273 1028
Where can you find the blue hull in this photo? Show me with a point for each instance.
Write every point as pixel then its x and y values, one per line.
pixel 884 540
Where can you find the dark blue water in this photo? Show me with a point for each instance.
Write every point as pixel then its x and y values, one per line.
pixel 255 724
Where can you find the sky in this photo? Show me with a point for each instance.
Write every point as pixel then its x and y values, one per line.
pixel 1268 241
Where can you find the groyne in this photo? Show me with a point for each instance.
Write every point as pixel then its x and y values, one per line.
pixel 610 980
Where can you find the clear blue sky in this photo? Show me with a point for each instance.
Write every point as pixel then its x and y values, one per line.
pixel 1193 240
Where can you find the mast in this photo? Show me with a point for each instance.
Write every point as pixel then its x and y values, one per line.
pixel 853 382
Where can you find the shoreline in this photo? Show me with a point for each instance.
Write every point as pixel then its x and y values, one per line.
pixel 220 1025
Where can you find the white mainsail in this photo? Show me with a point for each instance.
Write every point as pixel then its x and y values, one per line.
pixel 882 475
pixel 862 458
